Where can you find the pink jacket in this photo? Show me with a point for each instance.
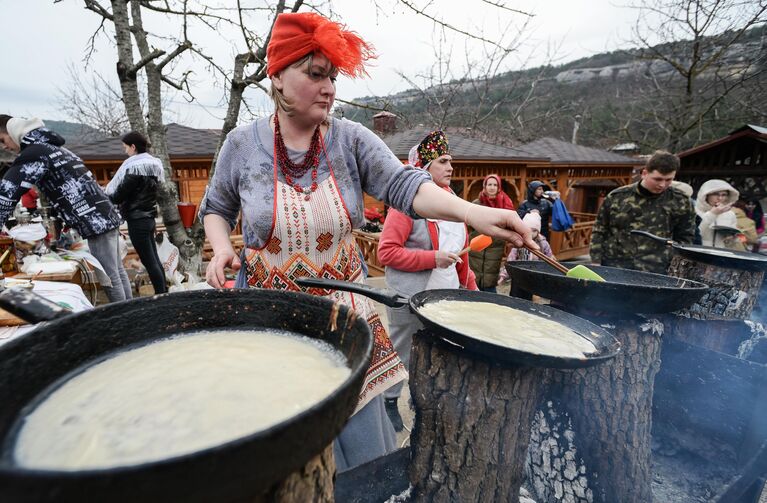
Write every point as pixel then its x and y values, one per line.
pixel 392 251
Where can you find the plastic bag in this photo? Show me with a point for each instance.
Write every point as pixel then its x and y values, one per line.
pixel 168 253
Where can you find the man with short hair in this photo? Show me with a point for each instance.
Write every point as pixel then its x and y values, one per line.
pixel 69 186
pixel 650 205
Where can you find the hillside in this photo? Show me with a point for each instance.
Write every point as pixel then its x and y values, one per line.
pixel 619 96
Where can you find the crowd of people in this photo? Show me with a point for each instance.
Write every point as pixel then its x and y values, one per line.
pixel 295 179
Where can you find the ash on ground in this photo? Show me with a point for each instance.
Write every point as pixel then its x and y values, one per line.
pixel 680 476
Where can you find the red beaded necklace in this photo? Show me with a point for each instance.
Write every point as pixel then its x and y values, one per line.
pixel 292 170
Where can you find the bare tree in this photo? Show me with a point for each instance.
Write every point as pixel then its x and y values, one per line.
pixel 686 85
pixel 130 35
pixel 247 70
pixel 94 102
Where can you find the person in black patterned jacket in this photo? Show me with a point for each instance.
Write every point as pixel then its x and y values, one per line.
pixel 69 186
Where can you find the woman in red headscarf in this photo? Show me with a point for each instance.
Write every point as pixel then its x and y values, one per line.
pixel 297 178
pixel 487 263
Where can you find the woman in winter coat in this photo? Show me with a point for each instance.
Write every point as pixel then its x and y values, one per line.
pixel 713 205
pixel 486 264
pixel 134 187
pixel 421 254
pixel 536 201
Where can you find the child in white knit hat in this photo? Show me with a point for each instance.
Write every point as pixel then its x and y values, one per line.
pixel 532 220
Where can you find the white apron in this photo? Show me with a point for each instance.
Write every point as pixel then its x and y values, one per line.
pixel 452 237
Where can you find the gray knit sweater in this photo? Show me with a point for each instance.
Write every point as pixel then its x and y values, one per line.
pixel 361 161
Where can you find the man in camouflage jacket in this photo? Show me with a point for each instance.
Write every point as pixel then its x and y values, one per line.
pixel 649 205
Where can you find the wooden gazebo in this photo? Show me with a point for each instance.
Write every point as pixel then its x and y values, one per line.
pixel 190 150
pixel 583 176
pixel 740 158
pixel 473 160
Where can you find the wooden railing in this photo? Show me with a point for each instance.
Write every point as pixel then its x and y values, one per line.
pixel 368 243
pixel 574 242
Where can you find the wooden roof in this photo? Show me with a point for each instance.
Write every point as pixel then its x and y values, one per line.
pixel 748 130
pixel 183 142
pixel 462 147
pixel 562 152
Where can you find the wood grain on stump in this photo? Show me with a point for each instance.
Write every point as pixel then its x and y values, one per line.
pixel 472 424
pixel 312 483
pixel 610 406
pixel 732 293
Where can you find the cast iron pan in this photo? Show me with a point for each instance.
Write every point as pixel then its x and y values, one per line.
pixel 240 470
pixel 709 255
pixel 607 346
pixel 623 291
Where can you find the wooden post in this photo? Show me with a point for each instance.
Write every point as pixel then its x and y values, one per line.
pixel 472 424
pixel 314 482
pixel 732 294
pixel 610 407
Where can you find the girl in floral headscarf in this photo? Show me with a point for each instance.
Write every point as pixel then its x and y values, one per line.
pixel 421 254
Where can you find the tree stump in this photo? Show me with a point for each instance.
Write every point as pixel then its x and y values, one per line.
pixel 472 424
pixel 313 482
pixel 610 407
pixel 732 293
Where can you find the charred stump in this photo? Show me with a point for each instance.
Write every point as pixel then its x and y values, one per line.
pixel 732 293
pixel 610 407
pixel 472 424
pixel 312 483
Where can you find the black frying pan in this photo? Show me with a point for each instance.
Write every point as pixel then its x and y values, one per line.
pixel 715 256
pixel 239 470
pixel 623 291
pixel 607 346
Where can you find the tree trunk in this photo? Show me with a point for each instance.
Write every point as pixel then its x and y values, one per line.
pixel 472 424
pixel 313 483
pixel 190 259
pixel 610 406
pixel 732 293
pixel 125 67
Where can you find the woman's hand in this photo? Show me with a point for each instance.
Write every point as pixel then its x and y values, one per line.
pixel 502 224
pixel 721 208
pixel 214 274
pixel 446 259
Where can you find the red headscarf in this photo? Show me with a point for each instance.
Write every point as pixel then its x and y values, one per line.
pixel 295 35
pixel 501 200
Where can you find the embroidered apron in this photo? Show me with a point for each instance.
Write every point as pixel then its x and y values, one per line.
pixel 314 238
pixel 452 237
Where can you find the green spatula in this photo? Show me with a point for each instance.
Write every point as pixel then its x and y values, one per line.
pixel 578 272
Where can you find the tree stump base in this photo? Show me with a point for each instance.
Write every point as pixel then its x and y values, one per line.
pixel 732 293
pixel 313 482
pixel 610 409
pixel 472 424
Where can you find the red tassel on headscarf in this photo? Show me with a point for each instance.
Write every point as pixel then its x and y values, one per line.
pixel 295 35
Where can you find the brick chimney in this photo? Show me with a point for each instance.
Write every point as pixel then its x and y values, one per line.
pixel 384 123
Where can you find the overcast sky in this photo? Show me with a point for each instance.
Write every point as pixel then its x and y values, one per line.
pixel 40 39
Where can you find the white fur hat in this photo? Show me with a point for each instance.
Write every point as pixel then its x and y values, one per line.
pixel 18 127
pixel 533 220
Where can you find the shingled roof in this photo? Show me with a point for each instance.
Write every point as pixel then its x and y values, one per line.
pixel 462 147
pixel 562 152
pixel 183 142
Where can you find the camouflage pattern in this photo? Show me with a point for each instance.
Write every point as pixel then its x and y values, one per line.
pixel 669 215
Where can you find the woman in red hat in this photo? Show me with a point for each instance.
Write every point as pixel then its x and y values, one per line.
pixel 298 177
